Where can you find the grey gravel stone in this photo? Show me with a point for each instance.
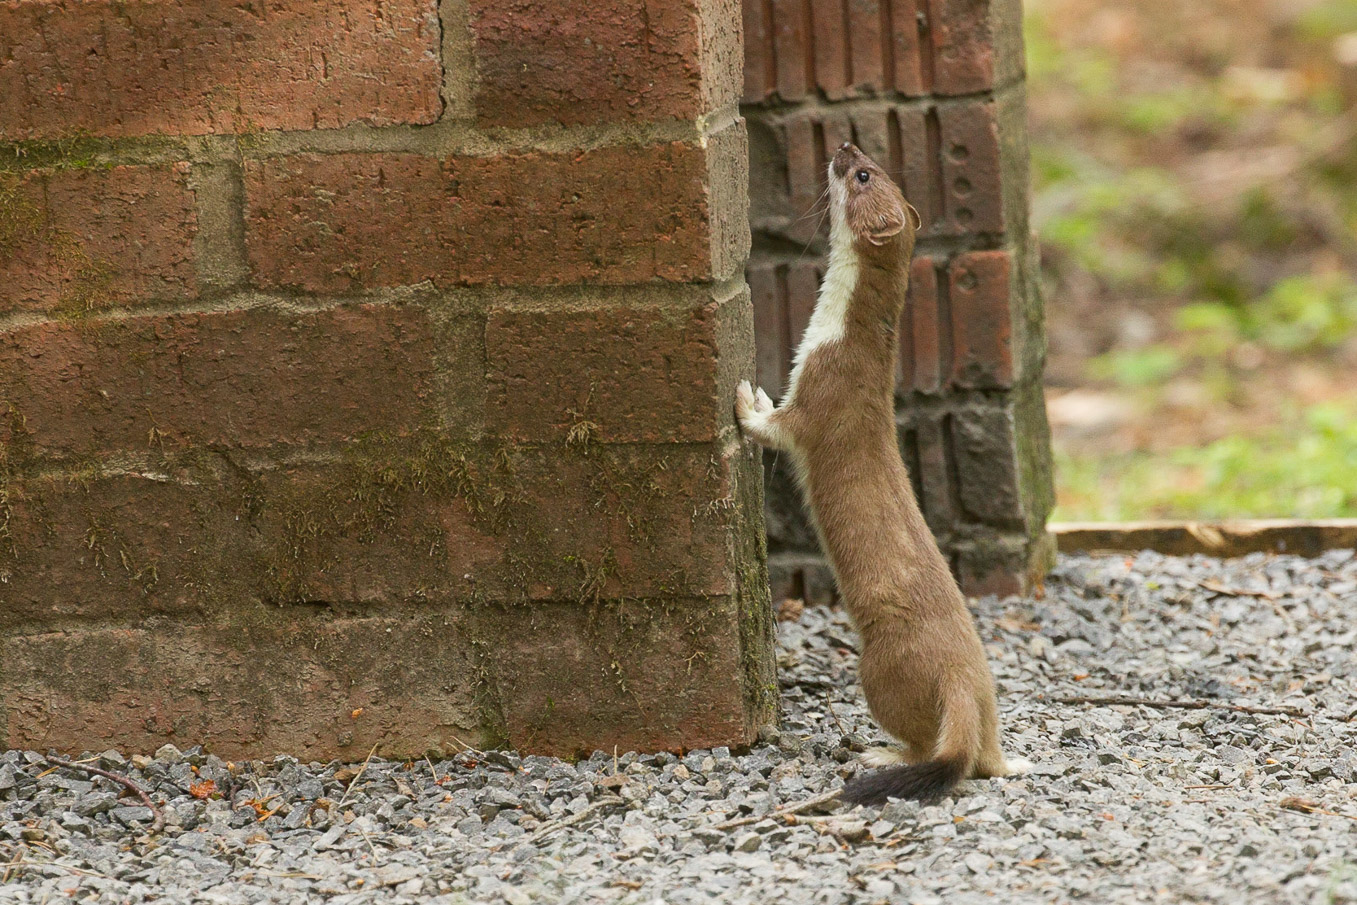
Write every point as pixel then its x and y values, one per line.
pixel 1125 804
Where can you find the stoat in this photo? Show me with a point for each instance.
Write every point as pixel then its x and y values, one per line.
pixel 923 667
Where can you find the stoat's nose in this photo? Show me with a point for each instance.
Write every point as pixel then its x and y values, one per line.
pixel 844 157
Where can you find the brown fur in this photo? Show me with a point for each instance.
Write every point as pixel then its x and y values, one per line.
pixel 923 667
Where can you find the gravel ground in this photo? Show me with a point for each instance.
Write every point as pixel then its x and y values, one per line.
pixel 1127 803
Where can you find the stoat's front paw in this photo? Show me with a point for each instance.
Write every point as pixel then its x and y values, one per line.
pixel 1017 766
pixel 751 406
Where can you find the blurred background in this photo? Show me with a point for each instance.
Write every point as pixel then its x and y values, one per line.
pixel 1195 195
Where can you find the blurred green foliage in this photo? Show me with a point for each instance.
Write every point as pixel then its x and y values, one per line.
pixel 1305 468
pixel 1243 259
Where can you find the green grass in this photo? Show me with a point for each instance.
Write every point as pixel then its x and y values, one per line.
pixel 1305 468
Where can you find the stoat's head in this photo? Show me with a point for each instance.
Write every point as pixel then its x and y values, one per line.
pixel 866 208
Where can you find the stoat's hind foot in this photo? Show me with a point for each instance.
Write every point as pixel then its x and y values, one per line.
pixel 885 756
pixel 1017 766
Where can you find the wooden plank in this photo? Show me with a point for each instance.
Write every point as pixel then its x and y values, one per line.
pixel 1225 538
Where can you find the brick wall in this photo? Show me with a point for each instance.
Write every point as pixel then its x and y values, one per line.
pixel 933 90
pixel 366 373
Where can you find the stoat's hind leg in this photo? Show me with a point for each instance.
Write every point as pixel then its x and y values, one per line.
pixel 1001 766
pixel 758 418
pixel 887 756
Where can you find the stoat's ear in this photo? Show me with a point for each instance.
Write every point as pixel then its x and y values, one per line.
pixel 914 215
pixel 887 226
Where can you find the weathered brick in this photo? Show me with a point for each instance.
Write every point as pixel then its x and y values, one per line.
pixel 860 48
pixel 773 360
pixel 615 521
pixel 262 681
pixel 973 46
pixel 931 460
pixel 791 35
pixel 760 75
pixel 607 373
pixel 587 61
pixel 638 675
pixel 330 223
pixel 982 323
pixel 75 240
pixel 199 66
pixel 987 468
pixel 946 159
pixel 382 522
pixel 201 533
pixel 920 339
pixel 970 175
pixel 963 339
pixel 239 378
pixel 1001 565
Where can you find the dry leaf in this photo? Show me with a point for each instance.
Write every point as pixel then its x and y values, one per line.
pixel 1294 803
pixel 205 789
pixel 356 713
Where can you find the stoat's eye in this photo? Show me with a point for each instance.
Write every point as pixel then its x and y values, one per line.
pixel 863 176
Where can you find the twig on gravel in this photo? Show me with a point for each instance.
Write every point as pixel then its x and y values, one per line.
pixel 357 776
pixel 605 802
pixel 13 866
pixel 157 824
pixel 830 704
pixel 1305 806
pixel 780 812
pixel 1127 701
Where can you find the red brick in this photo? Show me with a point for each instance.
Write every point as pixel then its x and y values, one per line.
pixel 982 324
pixel 963 44
pixel 970 174
pixel 259 682
pixel 585 61
pixel 240 378
pixel 614 215
pixel 605 374
pixel 199 66
pixel 642 675
pixel 73 240
pixel 905 43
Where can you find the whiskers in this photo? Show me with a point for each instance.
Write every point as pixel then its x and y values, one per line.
pixel 819 209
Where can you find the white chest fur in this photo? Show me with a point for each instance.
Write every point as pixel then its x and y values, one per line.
pixel 829 319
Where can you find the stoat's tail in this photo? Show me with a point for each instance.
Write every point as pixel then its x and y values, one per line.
pixel 958 743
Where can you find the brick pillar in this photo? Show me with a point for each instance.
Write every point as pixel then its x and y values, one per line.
pixel 933 90
pixel 366 377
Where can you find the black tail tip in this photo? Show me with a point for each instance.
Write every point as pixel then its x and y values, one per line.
pixel 926 782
